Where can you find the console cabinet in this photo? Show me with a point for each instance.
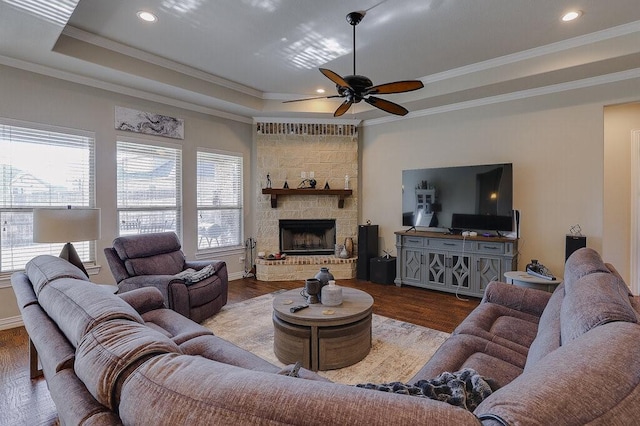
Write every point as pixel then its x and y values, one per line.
pixel 453 263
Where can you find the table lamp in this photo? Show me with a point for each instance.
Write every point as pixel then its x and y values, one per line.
pixel 66 225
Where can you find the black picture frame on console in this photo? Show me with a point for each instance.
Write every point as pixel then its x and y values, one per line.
pixel 459 198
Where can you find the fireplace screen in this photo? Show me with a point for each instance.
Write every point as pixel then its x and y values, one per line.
pixel 307 236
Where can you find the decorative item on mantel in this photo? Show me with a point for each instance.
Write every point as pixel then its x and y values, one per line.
pixel 344 254
pixel 268 181
pixel 307 183
pixel 348 245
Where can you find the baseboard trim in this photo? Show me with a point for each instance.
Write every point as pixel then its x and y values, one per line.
pixel 236 276
pixel 11 322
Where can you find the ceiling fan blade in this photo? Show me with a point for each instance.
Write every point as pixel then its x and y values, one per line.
pixel 334 77
pixel 343 108
pixel 310 99
pixel 395 87
pixel 387 106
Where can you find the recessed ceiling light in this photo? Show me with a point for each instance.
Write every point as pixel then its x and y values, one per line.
pixel 320 91
pixel 570 16
pixel 147 16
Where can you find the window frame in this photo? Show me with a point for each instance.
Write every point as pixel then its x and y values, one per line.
pixel 204 252
pixel 179 211
pixel 89 247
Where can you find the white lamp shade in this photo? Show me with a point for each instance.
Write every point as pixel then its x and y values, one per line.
pixel 65 225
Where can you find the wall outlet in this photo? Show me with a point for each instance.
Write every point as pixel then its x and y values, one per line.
pixel 241 259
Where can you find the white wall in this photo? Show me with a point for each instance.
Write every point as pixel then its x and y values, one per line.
pixel 35 98
pixel 619 121
pixel 555 143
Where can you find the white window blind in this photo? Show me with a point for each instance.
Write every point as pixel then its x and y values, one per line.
pixel 219 198
pixel 149 182
pixel 41 166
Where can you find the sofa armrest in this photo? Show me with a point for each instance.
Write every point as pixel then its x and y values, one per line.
pixel 523 299
pixel 144 299
pixel 118 269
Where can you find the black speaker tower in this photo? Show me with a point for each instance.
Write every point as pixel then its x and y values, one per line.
pixel 573 243
pixel 367 249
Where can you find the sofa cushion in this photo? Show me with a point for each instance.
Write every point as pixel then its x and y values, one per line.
pixel 110 349
pixel 217 349
pixel 77 306
pixel 44 269
pixel 593 380
pixel 460 351
pixel 132 246
pixel 548 335
pixel 502 325
pixel 185 390
pixel 74 405
pixel 160 264
pixel 593 300
pixel 582 262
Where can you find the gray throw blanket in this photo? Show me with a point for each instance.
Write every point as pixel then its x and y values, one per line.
pixel 465 388
pixel 191 276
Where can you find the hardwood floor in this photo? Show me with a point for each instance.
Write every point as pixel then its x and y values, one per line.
pixel 27 402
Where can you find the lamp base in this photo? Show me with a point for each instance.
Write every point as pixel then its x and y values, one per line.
pixel 70 254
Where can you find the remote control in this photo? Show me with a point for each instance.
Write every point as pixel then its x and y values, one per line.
pixel 297 308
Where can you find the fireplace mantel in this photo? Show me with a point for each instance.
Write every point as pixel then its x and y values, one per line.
pixel 275 192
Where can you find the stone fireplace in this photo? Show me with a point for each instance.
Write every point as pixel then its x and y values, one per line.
pixel 307 236
pixel 287 152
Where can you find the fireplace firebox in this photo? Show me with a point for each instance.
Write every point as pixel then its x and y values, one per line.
pixel 307 236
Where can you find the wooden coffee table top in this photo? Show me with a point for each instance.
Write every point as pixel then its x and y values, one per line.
pixel 356 305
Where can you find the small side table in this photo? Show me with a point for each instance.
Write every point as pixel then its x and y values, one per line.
pixel 523 279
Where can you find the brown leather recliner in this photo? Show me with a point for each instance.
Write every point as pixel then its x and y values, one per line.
pixel 154 260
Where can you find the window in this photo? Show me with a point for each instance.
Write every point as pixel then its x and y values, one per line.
pixel 149 180
pixel 219 198
pixel 41 166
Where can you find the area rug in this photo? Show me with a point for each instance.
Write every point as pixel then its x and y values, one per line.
pixel 398 351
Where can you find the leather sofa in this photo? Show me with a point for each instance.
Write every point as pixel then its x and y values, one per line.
pixel 564 358
pixel 154 260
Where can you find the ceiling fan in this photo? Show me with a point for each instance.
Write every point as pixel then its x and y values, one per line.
pixel 355 88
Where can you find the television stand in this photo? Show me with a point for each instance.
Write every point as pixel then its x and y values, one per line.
pixel 453 263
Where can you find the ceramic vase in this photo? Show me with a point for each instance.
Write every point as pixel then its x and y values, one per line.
pixel 348 245
pixel 331 294
pixel 324 276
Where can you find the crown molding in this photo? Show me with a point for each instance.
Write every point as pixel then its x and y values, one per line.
pixel 549 49
pixel 116 88
pixel 95 40
pixel 343 121
pixel 523 94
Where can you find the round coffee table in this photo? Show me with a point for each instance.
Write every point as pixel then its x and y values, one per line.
pixel 322 337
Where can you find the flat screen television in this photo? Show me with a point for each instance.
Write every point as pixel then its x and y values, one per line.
pixel 456 199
